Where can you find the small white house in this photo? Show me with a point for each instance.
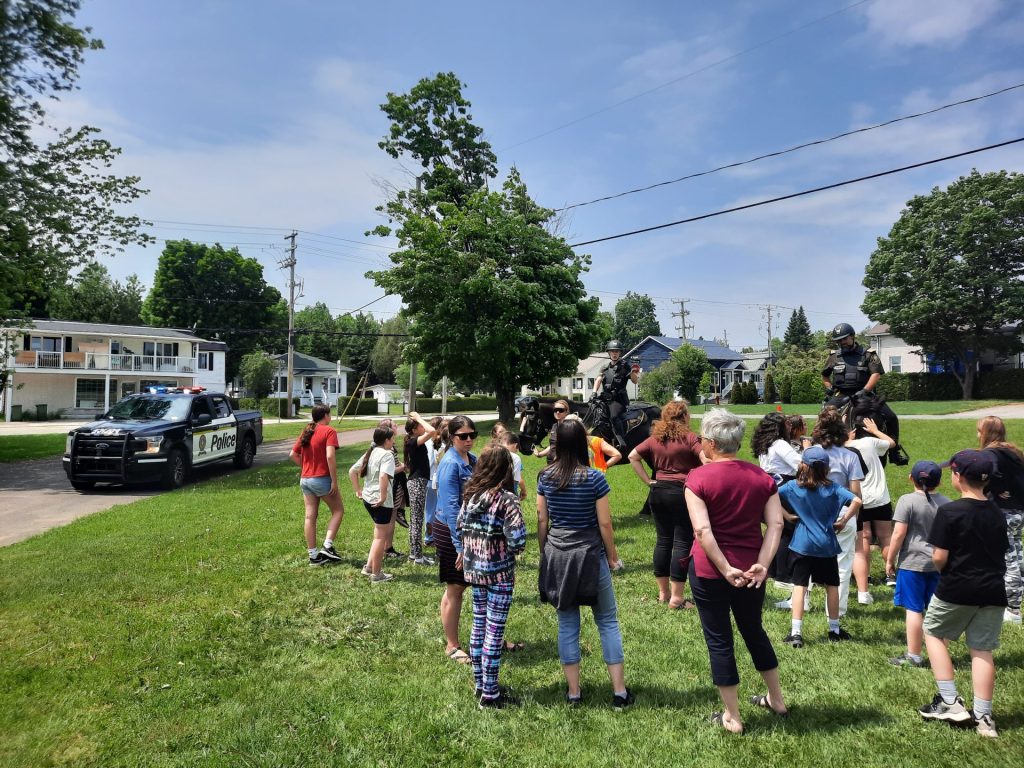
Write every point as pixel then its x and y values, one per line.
pixel 385 394
pixel 84 368
pixel 314 380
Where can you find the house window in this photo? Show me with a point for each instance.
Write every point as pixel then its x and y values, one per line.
pixel 332 386
pixel 895 364
pixel 205 362
pixel 89 393
pixel 46 344
pixel 590 383
pixel 577 383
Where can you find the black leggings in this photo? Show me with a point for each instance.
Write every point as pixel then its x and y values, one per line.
pixel 674 530
pixel 715 599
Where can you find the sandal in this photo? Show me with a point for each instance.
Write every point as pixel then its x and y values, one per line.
pixel 718 718
pixel 459 656
pixel 686 604
pixel 510 647
pixel 761 700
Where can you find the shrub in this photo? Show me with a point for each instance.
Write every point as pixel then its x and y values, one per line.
pixel 995 385
pixel 457 404
pixel 770 393
pixel 894 386
pixel 806 388
pixel 358 406
pixel 786 389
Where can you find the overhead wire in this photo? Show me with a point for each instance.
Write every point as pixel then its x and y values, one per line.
pixel 805 145
pixel 802 193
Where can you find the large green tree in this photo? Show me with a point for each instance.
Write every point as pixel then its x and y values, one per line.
pixel 387 352
pixel 492 296
pixel 61 207
pixel 684 373
pixel 92 296
pixel 635 319
pixel 221 294
pixel 315 333
pixel 357 345
pixel 948 277
pixel 798 332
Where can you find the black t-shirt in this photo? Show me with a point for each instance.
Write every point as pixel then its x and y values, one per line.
pixel 1006 487
pixel 416 459
pixel 974 532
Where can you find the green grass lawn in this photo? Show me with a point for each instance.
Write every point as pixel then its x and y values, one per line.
pixel 21 447
pixel 909 407
pixel 187 629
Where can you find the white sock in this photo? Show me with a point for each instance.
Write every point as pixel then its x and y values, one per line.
pixel 621 693
pixel 833 625
pixel 313 551
pixel 797 627
pixel 947 690
pixel 914 657
pixel 328 543
pixel 863 594
pixel 982 707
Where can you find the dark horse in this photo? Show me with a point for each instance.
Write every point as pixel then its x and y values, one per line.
pixel 855 408
pixel 537 417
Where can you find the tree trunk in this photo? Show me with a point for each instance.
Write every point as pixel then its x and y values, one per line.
pixel 506 405
pixel 967 382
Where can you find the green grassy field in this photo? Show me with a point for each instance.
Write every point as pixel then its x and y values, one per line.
pixel 21 447
pixel 905 408
pixel 187 629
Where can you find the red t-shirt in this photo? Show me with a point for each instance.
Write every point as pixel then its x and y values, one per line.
pixel 672 460
pixel 314 456
pixel 735 493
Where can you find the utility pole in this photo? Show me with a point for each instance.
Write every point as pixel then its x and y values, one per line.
pixel 681 314
pixel 768 309
pixel 290 263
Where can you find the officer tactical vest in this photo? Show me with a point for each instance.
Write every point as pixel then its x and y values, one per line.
pixel 850 373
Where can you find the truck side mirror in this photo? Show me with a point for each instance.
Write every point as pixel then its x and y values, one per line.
pixel 202 418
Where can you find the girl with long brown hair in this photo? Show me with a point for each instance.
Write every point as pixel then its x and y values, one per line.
pixel 376 469
pixel 491 527
pixel 418 432
pixel 560 410
pixel 1006 489
pixel 314 452
pixel 671 451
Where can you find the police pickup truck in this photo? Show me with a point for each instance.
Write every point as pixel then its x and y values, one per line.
pixel 159 435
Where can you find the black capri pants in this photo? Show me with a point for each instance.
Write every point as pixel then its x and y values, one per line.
pixel 716 599
pixel 674 531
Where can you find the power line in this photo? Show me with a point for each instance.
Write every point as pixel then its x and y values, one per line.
pixel 688 75
pixel 805 192
pixel 781 152
pixel 272 230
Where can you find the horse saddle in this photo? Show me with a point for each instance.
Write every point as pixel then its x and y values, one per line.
pixel 634 416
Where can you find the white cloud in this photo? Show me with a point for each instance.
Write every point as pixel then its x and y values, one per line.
pixel 910 23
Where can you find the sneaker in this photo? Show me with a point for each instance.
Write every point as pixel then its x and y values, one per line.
pixel 620 703
pixel 501 701
pixel 331 554
pixel 865 598
pixel 422 560
pixel 890 582
pixel 838 636
pixel 797 640
pixel 950 713
pixel 393 553
pixel 400 518
pixel 1011 617
pixel 379 577
pixel 573 702
pixel 366 571
pixel 319 559
pixel 986 726
pixel 904 660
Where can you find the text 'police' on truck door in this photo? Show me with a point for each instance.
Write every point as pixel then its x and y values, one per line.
pixel 216 438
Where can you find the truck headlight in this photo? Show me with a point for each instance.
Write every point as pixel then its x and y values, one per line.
pixel 153 444
pixel 68 442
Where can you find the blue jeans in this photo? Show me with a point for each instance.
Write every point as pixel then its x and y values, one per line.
pixel 430 511
pixel 605 617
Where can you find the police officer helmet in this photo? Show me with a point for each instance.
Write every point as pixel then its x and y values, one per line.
pixel 613 345
pixel 841 331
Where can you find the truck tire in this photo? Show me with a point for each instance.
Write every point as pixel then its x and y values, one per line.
pixel 246 453
pixel 83 485
pixel 176 470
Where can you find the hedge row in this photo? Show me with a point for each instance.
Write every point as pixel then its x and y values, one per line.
pixel 995 385
pixel 457 404
pixel 361 406
pixel 271 406
pixel 801 388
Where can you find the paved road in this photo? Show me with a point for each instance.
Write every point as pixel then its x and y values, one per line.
pixel 36 494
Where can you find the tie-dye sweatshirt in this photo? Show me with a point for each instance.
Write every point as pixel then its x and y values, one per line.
pixel 493 533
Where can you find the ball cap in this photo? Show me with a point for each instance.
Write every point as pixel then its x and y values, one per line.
pixel 928 474
pixel 974 465
pixel 815 455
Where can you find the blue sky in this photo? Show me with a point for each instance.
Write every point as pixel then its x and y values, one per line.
pixel 265 114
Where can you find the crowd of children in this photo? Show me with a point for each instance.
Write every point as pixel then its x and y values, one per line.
pixel 955 565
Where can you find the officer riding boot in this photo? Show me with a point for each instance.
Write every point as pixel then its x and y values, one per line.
pixel 616 411
pixel 620 439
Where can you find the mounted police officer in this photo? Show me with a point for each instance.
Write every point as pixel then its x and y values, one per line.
pixel 852 371
pixel 610 386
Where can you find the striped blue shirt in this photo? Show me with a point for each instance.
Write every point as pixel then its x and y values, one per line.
pixel 575 506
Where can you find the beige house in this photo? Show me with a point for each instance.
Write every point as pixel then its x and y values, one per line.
pixel 84 368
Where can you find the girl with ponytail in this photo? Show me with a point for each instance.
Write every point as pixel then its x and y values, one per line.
pixel 314 452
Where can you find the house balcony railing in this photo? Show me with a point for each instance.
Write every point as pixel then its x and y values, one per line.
pixel 101 362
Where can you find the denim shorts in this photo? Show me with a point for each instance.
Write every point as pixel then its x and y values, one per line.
pixel 316 486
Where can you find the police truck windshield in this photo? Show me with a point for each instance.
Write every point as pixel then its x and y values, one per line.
pixel 144 407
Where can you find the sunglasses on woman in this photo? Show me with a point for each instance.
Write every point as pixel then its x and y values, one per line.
pixel 561 410
pixel 466 435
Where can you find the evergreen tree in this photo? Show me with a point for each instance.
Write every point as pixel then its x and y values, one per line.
pixel 798 332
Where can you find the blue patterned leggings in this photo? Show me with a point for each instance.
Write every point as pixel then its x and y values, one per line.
pixel 1014 558
pixel 491 603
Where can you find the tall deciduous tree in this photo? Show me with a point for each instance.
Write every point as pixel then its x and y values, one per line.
pixel 315 333
pixel 798 332
pixel 948 278
pixel 221 294
pixel 358 347
pixel 387 352
pixel 93 297
pixel 257 371
pixel 635 319
pixel 493 298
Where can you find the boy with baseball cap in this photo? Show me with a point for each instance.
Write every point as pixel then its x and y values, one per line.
pixel 969 540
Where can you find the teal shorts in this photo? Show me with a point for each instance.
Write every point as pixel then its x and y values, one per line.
pixel 980 623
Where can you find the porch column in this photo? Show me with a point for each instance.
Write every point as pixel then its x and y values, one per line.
pixel 106 391
pixel 9 394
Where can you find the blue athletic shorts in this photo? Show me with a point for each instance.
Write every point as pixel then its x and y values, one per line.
pixel 914 589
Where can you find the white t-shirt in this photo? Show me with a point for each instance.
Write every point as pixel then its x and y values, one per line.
pixel 781 459
pixel 381 461
pixel 873 489
pixel 517 467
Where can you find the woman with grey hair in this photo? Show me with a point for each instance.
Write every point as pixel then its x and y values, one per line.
pixel 728 500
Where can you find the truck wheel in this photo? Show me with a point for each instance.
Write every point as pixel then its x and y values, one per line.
pixel 82 485
pixel 244 457
pixel 176 471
